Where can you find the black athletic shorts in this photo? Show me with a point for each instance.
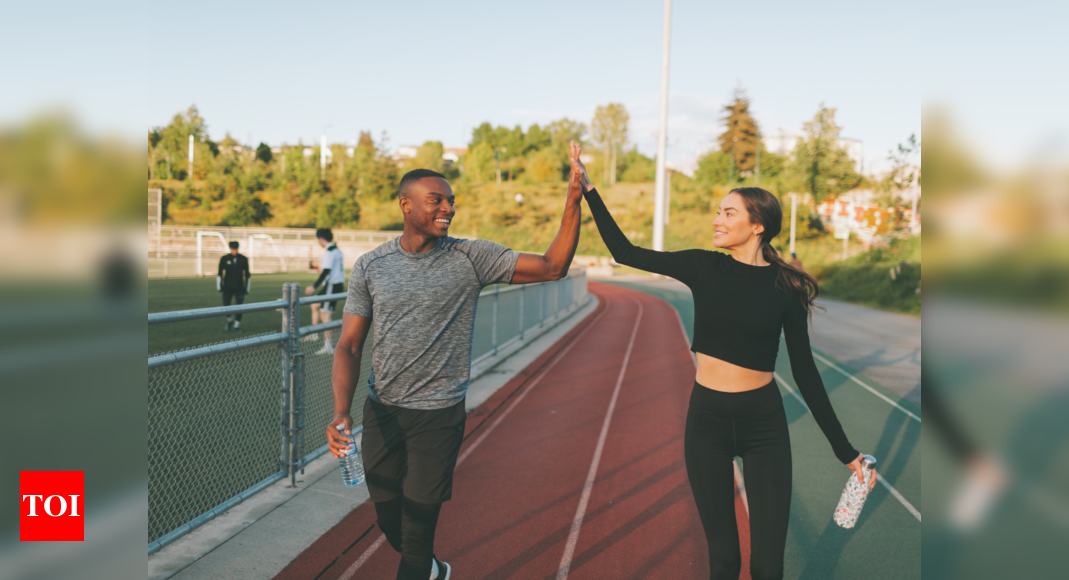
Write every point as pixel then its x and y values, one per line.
pixel 334 289
pixel 411 451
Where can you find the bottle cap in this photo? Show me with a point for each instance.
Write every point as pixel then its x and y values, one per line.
pixel 867 461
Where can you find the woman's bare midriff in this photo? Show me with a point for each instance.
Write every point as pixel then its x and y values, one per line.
pixel 719 375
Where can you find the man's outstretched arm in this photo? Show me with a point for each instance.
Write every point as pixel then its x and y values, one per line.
pixel 554 264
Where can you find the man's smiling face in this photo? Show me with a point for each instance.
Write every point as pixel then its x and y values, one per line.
pixel 428 206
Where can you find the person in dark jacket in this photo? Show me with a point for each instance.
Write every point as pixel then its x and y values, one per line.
pixel 234 280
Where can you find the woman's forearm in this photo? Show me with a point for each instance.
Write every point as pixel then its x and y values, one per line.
pixel 619 246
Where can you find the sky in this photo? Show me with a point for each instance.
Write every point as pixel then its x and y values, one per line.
pixel 418 71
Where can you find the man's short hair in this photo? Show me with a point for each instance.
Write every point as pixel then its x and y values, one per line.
pixel 413 176
pixel 325 233
pixel 234 245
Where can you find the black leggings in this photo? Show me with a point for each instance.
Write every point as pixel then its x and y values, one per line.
pixel 409 528
pixel 236 296
pixel 751 425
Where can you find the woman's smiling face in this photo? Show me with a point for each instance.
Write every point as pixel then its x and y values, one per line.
pixel 732 223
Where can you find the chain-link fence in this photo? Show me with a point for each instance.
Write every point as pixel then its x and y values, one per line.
pixel 227 420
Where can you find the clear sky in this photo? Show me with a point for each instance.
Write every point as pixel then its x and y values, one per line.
pixel 282 72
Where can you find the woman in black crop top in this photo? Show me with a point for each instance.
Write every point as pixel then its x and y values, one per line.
pixel 741 303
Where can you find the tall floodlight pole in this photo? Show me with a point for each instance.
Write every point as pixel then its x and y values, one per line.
pixel 323 156
pixel 662 137
pixel 794 215
pixel 190 176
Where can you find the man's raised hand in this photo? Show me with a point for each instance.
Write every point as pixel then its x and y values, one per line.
pixel 578 180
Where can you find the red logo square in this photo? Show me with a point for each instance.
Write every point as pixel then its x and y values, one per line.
pixel 52 506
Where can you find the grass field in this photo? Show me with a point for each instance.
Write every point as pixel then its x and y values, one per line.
pixel 187 293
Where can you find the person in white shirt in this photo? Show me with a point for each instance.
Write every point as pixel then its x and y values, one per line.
pixel 331 281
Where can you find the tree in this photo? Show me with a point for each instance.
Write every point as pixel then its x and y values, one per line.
pixel 820 166
pixel 739 139
pixel 428 156
pixel 479 163
pixel 609 128
pixel 637 168
pixel 536 139
pixel 714 168
pixel 337 210
pixel 172 141
pixel 905 171
pixel 263 153
pixel 245 208
pixel 365 141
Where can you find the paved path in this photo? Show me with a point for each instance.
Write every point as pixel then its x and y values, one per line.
pixel 574 469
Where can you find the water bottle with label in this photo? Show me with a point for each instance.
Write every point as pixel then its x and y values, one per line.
pixel 855 494
pixel 352 469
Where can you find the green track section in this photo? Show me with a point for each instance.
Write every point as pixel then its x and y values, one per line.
pixel 886 543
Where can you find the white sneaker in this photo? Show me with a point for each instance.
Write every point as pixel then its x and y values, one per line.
pixel 327 349
pixel 444 571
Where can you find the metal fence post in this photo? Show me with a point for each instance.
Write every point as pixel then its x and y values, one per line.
pixel 285 349
pixel 295 381
pixel 292 378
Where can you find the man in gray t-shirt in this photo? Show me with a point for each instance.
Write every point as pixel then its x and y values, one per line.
pixel 418 294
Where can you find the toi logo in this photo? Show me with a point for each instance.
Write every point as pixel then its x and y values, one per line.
pixel 51 506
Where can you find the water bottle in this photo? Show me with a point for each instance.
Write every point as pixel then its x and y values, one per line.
pixel 352 469
pixel 855 494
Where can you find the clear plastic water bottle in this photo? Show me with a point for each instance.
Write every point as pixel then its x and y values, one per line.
pixel 352 469
pixel 854 495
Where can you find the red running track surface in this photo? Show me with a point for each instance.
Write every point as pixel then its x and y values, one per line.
pixel 527 454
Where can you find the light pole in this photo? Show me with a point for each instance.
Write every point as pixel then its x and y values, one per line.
pixel 662 136
pixel 794 214
pixel 323 153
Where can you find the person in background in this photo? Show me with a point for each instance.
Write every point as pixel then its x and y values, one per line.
pixel 234 280
pixel 331 281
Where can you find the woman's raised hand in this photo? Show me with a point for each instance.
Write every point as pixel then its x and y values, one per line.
pixel 579 176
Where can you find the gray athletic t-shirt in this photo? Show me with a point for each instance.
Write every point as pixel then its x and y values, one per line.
pixel 422 308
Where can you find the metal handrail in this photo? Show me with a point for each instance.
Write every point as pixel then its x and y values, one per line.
pixel 322 298
pixel 306 330
pixel 203 351
pixel 180 315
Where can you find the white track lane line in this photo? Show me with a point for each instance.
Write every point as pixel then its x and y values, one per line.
pixel 363 558
pixel 872 390
pixel 902 500
pixel 577 522
pixel 382 539
pixel 739 483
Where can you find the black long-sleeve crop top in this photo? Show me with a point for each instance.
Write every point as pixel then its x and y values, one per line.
pixel 738 314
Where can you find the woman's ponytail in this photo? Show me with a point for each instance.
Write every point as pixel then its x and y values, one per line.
pixel 765 209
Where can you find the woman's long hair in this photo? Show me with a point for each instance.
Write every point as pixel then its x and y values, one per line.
pixel 765 209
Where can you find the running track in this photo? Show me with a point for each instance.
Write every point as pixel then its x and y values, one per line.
pixel 573 469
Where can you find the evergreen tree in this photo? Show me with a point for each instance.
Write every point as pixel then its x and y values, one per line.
pixel 263 153
pixel 739 139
